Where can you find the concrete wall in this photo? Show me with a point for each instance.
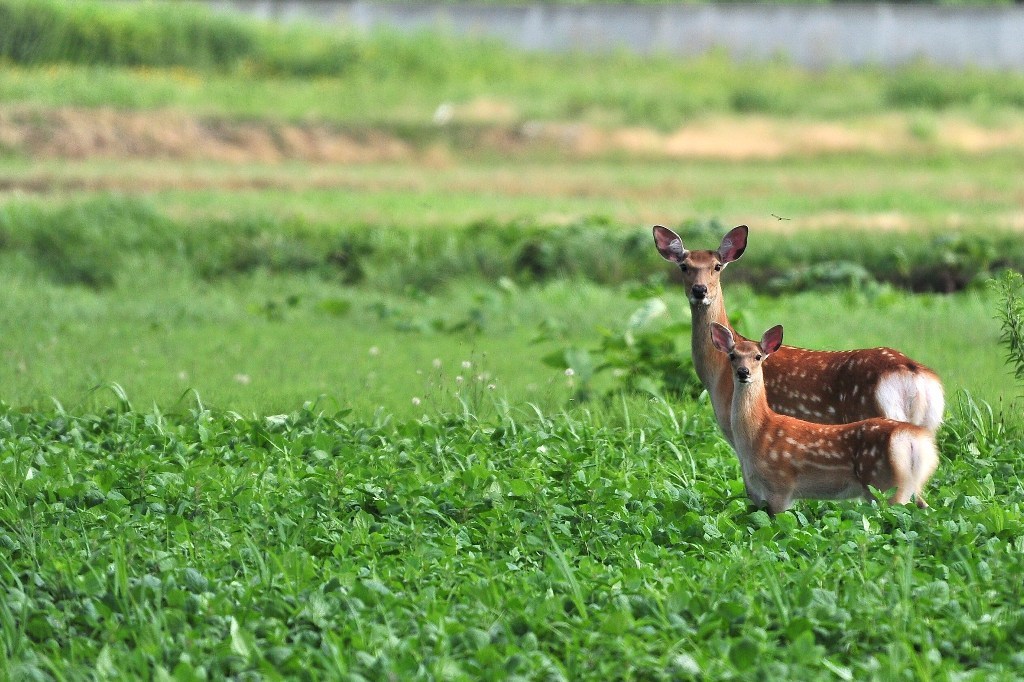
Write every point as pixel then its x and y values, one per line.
pixel 809 35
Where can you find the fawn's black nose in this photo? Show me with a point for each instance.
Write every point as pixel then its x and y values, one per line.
pixel 699 291
pixel 743 373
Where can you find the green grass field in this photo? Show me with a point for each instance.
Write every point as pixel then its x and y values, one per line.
pixel 267 344
pixel 283 362
pixel 921 194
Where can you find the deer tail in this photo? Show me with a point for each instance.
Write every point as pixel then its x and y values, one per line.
pixel 912 394
pixel 914 458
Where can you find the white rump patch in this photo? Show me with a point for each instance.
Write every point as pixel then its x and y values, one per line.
pixel 915 398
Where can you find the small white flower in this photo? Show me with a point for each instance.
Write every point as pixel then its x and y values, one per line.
pixel 374 351
pixel 542 448
pixel 569 371
pixel 437 363
pixel 243 379
pixel 491 387
pixel 459 379
pixel 466 364
pixel 444 113
pixel 416 401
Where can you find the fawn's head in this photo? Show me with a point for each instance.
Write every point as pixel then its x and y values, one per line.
pixel 701 269
pixel 746 356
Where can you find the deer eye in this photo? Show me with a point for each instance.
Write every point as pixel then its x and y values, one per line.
pixel 718 267
pixel 732 356
pixel 757 357
pixel 682 266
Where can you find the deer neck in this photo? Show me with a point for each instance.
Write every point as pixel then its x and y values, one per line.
pixel 750 413
pixel 709 362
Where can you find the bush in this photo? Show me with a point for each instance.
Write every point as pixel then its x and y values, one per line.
pixel 34 32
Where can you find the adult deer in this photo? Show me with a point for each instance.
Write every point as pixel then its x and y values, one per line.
pixel 828 387
pixel 784 458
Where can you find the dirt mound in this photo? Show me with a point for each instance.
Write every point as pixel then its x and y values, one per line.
pixel 482 126
pixel 107 133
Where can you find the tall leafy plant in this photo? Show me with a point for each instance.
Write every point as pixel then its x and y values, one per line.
pixel 1010 287
pixel 641 357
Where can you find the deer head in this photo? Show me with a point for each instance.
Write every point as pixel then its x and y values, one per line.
pixel 701 269
pixel 745 356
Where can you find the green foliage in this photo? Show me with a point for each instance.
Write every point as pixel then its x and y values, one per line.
pixel 119 34
pixel 1010 287
pixel 928 87
pixel 642 357
pixel 386 77
pixel 168 34
pixel 107 239
pixel 978 430
pixel 311 544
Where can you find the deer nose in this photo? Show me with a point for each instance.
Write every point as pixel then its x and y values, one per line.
pixel 743 373
pixel 699 291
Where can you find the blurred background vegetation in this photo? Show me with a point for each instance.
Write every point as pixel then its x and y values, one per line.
pixel 429 195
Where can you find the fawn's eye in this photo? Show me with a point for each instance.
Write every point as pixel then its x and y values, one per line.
pixel 757 357
pixel 732 356
pixel 682 266
pixel 718 267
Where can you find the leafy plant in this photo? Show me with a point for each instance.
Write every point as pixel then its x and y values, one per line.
pixel 642 357
pixel 313 544
pixel 1010 287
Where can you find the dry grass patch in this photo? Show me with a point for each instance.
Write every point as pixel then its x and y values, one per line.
pixel 482 126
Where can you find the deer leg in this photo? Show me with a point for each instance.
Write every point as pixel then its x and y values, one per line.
pixel 902 495
pixel 779 502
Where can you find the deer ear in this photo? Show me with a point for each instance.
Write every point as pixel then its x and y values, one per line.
pixel 721 338
pixel 733 244
pixel 772 340
pixel 670 246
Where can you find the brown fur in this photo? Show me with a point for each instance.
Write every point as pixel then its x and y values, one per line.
pixel 831 387
pixel 784 458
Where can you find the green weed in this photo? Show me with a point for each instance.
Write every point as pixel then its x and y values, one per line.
pixel 1010 288
pixel 641 356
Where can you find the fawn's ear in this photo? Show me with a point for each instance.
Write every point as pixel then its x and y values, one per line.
pixel 670 246
pixel 772 340
pixel 733 244
pixel 721 337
